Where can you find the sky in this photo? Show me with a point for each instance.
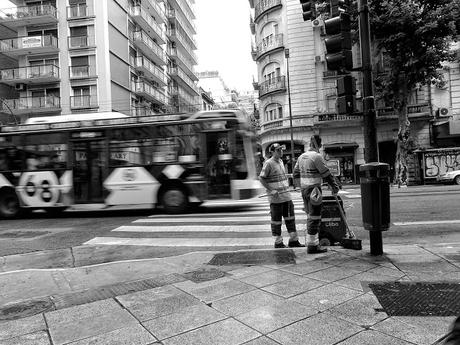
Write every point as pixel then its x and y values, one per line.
pixel 224 41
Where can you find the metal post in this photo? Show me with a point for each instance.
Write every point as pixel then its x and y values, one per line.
pixel 370 131
pixel 286 54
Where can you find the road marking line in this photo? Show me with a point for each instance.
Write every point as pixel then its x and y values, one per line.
pixel 197 228
pixel 428 222
pixel 182 242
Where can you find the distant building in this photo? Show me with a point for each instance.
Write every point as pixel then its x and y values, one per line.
pixel 212 82
pixel 207 102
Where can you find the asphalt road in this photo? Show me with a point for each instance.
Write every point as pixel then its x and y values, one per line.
pixel 435 208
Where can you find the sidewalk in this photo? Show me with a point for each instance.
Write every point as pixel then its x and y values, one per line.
pixel 255 297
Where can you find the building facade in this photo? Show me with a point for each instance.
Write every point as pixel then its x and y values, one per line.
pixel 294 84
pixel 132 56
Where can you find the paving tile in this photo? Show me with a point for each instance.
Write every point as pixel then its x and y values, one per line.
pixel 326 297
pixel 220 291
pixel 417 330
pixel 319 329
pixel 332 274
pixel 150 294
pixel 15 328
pixel 188 285
pixel 373 338
pixel 36 338
pixel 294 286
pixel 226 332
pixel 391 272
pixel 261 341
pixel 186 320
pixel 272 317
pixel 248 271
pixel 360 310
pixel 356 264
pixel 355 281
pixel 81 328
pixel 245 302
pixel 133 335
pixel 94 309
pixel 307 267
pixel 268 278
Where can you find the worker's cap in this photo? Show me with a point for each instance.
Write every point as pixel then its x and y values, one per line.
pixel 276 146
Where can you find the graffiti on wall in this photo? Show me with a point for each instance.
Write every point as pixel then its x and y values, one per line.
pixel 440 162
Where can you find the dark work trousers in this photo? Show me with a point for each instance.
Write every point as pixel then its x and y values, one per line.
pixel 282 210
pixel 313 212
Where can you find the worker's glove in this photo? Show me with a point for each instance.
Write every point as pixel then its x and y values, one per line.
pixel 335 189
pixel 274 193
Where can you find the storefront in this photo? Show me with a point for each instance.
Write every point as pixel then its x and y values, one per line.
pixel 341 159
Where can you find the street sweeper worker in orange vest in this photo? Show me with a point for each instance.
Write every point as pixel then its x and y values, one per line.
pixel 312 170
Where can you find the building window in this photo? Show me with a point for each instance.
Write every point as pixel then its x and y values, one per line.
pixel 273 111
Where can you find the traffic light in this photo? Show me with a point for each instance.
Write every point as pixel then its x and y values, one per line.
pixel 338 37
pixel 346 90
pixel 308 9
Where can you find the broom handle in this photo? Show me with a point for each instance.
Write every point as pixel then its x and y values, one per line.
pixel 349 232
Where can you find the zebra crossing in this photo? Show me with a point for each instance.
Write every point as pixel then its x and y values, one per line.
pixel 237 227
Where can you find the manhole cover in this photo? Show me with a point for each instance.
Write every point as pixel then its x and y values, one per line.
pixel 260 257
pixel 204 275
pixel 418 299
pixel 25 309
pixel 24 234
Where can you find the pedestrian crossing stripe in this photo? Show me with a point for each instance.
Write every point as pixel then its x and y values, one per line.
pixel 183 242
pixel 196 228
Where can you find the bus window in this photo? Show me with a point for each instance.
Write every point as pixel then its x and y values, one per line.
pixel 3 160
pixel 240 162
pixel 46 151
pixel 128 153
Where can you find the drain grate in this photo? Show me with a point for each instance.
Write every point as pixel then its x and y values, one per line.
pixel 204 275
pixel 260 257
pixel 418 299
pixel 25 308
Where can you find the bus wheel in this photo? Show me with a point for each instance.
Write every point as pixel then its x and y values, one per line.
pixel 9 205
pixel 174 200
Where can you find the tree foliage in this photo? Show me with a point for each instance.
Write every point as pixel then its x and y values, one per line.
pixel 415 36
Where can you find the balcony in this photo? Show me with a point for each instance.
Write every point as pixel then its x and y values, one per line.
pixel 184 80
pixel 81 42
pixel 268 44
pixel 420 110
pixel 149 48
pixel 272 125
pixel 28 105
pixel 184 63
pixel 334 117
pixel 187 26
pixel 147 91
pixel 28 15
pixel 184 100
pixel 79 11
pixel 263 6
pixel 252 26
pixel 180 40
pixel 150 71
pixel 82 72
pixel 83 102
pixel 277 84
pixel 30 75
pixel 29 45
pixel 142 18
pixel 153 7
pixel 184 6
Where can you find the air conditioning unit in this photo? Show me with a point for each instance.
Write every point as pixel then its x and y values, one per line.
pixel 317 23
pixel 20 87
pixel 444 111
pixel 320 58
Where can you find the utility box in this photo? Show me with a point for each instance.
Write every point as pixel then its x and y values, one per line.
pixel 375 195
pixel 332 228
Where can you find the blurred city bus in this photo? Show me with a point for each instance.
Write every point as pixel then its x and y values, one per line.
pixel 172 161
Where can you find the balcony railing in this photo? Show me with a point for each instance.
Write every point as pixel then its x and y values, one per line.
pixel 336 117
pixel 186 80
pixel 30 15
pixel 268 44
pixel 29 44
pixel 82 71
pixel 185 97
pixel 158 12
pixel 175 35
pixel 83 101
pixel 79 11
pixel 186 25
pixel 147 23
pixel 149 92
pixel 149 47
pixel 184 62
pixel 41 73
pixel 76 42
pixel 412 109
pixel 274 85
pixel 273 124
pixel 150 70
pixel 33 103
pixel 263 6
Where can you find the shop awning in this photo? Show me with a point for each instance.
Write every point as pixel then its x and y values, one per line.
pixel 341 146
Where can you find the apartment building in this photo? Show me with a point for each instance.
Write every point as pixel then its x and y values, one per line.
pixel 289 53
pixel 71 56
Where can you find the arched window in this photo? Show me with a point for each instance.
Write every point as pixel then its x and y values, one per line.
pixel 268 34
pixel 273 111
pixel 271 72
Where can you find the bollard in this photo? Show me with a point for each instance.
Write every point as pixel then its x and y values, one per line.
pixel 375 202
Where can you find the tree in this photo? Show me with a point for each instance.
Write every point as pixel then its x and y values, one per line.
pixel 415 36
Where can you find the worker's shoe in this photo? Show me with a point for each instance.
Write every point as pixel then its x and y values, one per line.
pixel 280 245
pixel 294 244
pixel 316 249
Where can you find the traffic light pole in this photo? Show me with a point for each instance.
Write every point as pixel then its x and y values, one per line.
pixel 370 131
pixel 286 54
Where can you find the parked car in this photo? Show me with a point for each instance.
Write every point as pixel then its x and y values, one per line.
pixel 450 177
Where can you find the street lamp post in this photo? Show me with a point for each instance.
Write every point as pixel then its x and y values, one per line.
pixel 286 55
